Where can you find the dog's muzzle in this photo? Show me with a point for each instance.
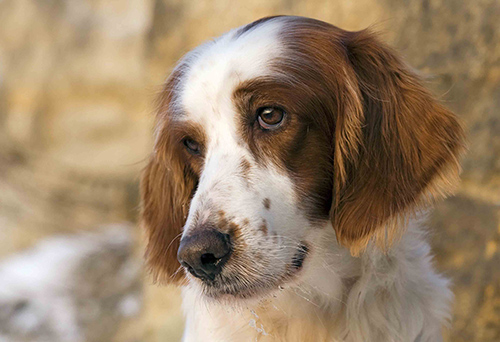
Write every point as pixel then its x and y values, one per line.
pixel 204 253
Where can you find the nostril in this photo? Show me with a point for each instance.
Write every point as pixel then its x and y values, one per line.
pixel 208 259
pixel 205 253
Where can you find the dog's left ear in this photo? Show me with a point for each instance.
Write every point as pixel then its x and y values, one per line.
pixel 401 155
pixel 167 185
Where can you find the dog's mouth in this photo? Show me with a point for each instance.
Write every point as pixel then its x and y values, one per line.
pixel 243 282
pixel 299 257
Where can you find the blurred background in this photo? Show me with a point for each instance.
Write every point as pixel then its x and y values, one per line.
pixel 77 83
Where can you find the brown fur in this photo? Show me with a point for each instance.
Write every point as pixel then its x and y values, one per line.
pixel 394 146
pixel 245 168
pixel 299 147
pixel 167 185
pixel 363 140
pixel 267 203
pixel 263 227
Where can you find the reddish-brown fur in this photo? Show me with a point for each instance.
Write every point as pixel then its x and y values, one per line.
pixel 394 146
pixel 365 142
pixel 167 185
pixel 267 203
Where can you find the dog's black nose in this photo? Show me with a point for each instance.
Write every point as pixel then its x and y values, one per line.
pixel 204 253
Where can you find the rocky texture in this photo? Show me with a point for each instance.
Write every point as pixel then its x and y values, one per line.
pixel 70 288
pixel 456 44
pixel 77 80
pixel 468 253
pixel 73 76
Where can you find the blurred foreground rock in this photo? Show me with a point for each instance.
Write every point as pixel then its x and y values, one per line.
pixel 70 288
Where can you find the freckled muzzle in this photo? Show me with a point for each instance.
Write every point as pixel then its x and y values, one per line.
pixel 204 253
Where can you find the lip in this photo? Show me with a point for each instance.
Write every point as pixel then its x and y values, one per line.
pixel 299 257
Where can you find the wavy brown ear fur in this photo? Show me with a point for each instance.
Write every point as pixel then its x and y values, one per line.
pixel 408 147
pixel 166 189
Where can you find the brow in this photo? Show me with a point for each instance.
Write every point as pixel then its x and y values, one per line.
pixel 181 129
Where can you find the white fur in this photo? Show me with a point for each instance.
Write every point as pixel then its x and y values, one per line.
pixel 336 297
pixel 394 297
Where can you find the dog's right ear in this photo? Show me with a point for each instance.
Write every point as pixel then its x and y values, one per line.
pixel 400 154
pixel 166 189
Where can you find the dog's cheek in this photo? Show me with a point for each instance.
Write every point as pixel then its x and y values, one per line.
pixel 282 219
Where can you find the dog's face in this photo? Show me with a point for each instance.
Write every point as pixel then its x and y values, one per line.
pixel 271 134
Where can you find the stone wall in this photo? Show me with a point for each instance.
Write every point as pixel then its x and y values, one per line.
pixel 77 79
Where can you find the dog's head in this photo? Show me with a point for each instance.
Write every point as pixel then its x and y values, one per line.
pixel 273 133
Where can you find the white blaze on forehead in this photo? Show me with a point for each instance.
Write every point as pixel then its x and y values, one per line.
pixel 211 75
pixel 214 72
pixel 217 68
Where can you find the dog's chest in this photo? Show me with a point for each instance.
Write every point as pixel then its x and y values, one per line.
pixel 277 321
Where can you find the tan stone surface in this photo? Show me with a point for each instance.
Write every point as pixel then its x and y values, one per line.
pixel 77 80
pixel 468 253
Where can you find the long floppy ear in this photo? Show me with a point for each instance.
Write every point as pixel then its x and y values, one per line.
pixel 166 189
pixel 405 152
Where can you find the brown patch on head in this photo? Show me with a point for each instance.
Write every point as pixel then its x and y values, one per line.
pixel 363 140
pixel 234 230
pixel 263 227
pixel 238 243
pixel 395 146
pixel 267 203
pixel 178 131
pixel 245 167
pixel 226 225
pixel 222 223
pixel 297 147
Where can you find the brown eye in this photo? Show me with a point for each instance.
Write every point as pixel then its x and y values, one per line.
pixel 270 117
pixel 192 146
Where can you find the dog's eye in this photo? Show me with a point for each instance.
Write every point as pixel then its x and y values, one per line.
pixel 192 146
pixel 270 117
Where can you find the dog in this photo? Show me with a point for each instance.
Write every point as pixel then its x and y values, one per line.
pixel 293 163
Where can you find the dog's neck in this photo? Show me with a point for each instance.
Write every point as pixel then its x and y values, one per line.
pixel 375 297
